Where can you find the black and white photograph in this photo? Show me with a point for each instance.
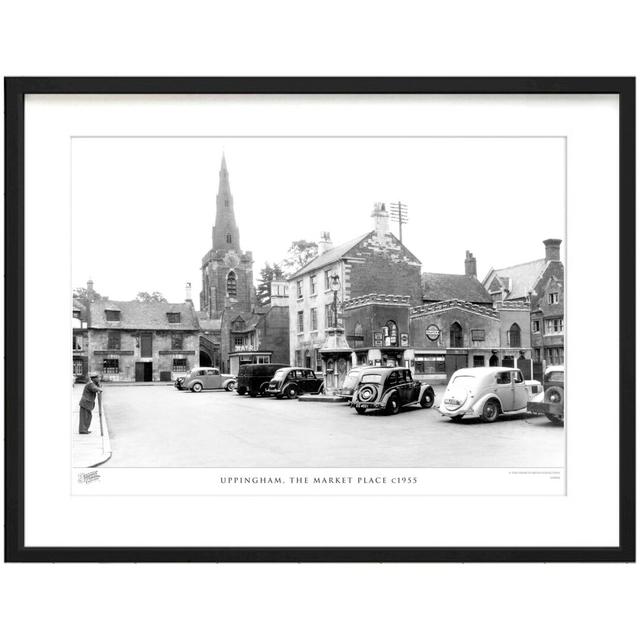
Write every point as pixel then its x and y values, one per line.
pixel 318 302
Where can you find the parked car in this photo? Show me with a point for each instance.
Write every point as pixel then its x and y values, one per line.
pixel 486 393
pixel 351 381
pixel 551 400
pixel 291 382
pixel 389 389
pixel 201 378
pixel 254 378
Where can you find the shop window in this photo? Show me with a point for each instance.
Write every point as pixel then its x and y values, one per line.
pixel 113 341
pixel 111 365
pixel 390 331
pixel 514 336
pixel 455 336
pixel 232 285
pixel 179 364
pixel 429 364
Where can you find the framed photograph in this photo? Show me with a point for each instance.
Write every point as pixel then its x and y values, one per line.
pixel 319 319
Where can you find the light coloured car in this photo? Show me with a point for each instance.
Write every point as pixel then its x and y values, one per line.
pixel 201 378
pixel 486 393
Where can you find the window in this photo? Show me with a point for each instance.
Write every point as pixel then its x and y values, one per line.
pixel 176 342
pixel 553 325
pixel 314 319
pixel 238 341
pixel 111 365
pixel 299 288
pixel 517 377
pixel 327 280
pixel 77 343
pixel 112 315
pixel 113 341
pixel 554 355
pixel 313 281
pixel 455 336
pixel 228 238
pixel 300 321
pixel 180 364
pixel 477 335
pixel 478 361
pixel 232 285
pixel 318 360
pixel 329 320
pixel 535 326
pixel 514 336
pixel 429 364
pixel 393 379
pixel 173 318
pixel 78 369
pixel 357 338
pixel 504 377
pixel 391 334
pixel 553 298
pixel 76 313
pixel 263 359
pixel 536 355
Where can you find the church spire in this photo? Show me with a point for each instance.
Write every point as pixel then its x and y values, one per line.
pixel 225 232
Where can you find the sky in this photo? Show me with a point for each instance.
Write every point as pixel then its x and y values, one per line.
pixel 143 208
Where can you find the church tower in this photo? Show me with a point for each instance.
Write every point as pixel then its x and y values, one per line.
pixel 227 271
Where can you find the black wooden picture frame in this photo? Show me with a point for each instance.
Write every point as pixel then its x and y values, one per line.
pixel 15 91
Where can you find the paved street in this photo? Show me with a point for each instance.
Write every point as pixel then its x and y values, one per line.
pixel 158 426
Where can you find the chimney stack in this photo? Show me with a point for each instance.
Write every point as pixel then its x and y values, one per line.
pixel 187 292
pixel 380 220
pixel 325 242
pixel 470 265
pixel 90 287
pixel 552 249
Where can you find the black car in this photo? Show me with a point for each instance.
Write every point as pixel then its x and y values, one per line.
pixel 551 400
pixel 291 382
pixel 389 388
pixel 254 378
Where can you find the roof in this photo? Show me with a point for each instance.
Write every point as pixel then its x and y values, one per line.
pixel 329 257
pixel 142 315
pixel 519 279
pixel 446 286
pixel 208 324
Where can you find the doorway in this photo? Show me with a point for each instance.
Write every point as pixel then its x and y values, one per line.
pixel 144 371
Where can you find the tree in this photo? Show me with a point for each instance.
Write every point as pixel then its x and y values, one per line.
pixel 300 252
pixel 268 274
pixel 156 296
pixel 84 294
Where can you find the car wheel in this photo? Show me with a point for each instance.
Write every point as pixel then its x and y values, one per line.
pixel 263 388
pixel 360 410
pixel 490 411
pixel 197 387
pixel 393 405
pixel 557 420
pixel 426 401
pixel 291 392
pixel 241 391
pixel 230 386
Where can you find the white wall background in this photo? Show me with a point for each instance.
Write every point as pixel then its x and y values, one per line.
pixel 332 38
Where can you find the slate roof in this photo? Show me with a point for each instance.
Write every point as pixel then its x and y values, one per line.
pixel 518 279
pixel 329 257
pixel 208 324
pixel 448 286
pixel 142 315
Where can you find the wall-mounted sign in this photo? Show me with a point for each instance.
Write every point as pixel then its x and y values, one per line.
pixel 404 339
pixel 477 335
pixel 377 339
pixel 432 332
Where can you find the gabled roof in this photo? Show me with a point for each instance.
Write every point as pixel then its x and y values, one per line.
pixel 519 279
pixel 447 286
pixel 329 257
pixel 142 315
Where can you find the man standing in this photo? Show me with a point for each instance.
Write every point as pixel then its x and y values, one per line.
pixel 88 401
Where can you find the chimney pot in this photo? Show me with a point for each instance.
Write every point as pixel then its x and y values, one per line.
pixel 470 265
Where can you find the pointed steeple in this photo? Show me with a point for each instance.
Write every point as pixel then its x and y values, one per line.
pixel 225 232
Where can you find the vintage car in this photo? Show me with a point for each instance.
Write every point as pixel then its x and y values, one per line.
pixel 551 400
pixel 254 378
pixel 389 388
pixel 486 393
pixel 351 381
pixel 291 382
pixel 201 378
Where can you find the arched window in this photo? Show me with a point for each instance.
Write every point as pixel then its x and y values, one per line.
pixel 357 330
pixel 228 238
pixel 455 336
pixel 392 333
pixel 514 336
pixel 232 285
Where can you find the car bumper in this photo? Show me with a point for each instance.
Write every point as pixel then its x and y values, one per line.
pixel 274 392
pixel 553 409
pixel 456 412
pixel 366 405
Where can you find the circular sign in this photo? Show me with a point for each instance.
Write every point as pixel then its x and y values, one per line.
pixel 432 332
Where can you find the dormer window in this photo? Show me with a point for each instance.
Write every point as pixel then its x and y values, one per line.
pixel 173 318
pixel 112 315
pixel 228 238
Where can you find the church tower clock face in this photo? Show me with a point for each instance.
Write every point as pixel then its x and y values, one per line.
pixel 231 260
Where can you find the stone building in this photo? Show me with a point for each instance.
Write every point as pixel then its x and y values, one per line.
pixel 540 283
pixel 136 341
pixel 80 340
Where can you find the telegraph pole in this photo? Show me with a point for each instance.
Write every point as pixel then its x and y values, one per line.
pixel 399 212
